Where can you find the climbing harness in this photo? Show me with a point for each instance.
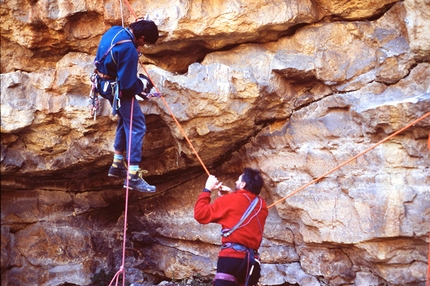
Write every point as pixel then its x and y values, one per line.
pixel 235 246
pixel 225 276
pixel 106 88
pixel 249 264
pixel 105 85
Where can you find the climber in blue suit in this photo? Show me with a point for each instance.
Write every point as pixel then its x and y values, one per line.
pixel 116 67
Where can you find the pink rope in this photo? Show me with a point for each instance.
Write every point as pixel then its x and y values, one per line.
pixel 121 269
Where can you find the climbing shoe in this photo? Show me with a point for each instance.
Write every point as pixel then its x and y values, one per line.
pixel 118 170
pixel 137 183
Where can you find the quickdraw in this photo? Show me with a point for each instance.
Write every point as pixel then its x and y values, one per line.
pixel 95 102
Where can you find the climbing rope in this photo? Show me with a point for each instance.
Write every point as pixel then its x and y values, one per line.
pixel 124 238
pixel 350 160
pixel 121 269
pixel 178 124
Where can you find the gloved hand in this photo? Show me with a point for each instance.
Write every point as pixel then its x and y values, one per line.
pixel 147 84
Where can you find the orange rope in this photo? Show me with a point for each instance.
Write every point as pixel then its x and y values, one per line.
pixel 185 136
pixel 130 9
pixel 348 161
pixel 177 123
pixel 428 143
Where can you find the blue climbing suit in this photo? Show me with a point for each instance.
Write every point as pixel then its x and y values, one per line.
pixel 121 64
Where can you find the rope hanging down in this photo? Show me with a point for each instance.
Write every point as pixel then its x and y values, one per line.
pixel 348 161
pixel 121 268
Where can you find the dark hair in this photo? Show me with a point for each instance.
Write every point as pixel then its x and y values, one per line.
pixel 254 181
pixel 145 28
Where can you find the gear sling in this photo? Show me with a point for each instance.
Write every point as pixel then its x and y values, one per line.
pixel 105 85
pixel 250 262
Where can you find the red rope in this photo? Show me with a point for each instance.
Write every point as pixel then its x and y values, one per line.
pixel 130 9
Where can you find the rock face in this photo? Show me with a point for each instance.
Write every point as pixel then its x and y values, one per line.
pixel 294 88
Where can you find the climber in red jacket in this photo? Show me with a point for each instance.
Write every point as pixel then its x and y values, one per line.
pixel 242 214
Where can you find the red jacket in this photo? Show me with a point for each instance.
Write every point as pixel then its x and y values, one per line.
pixel 227 211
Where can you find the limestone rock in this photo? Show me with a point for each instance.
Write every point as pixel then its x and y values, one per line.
pixel 354 9
pixel 418 23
